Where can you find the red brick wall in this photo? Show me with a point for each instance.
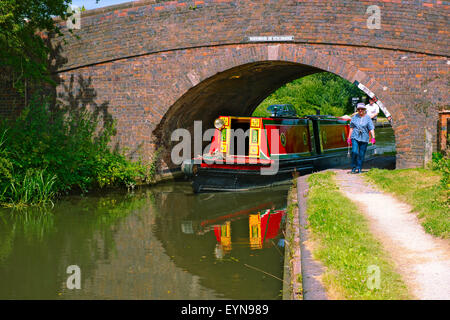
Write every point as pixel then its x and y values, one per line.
pixel 135 28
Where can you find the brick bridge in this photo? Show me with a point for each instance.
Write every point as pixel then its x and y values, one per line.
pixel 160 65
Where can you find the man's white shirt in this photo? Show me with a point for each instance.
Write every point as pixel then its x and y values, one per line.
pixel 372 109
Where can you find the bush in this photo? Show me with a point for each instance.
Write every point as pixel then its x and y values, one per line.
pixel 46 153
pixel 441 163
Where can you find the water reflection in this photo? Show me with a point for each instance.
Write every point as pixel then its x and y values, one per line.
pixel 37 245
pixel 220 236
pixel 385 140
pixel 262 228
pixel 158 243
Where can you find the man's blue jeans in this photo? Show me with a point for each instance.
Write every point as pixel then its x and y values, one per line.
pixel 358 153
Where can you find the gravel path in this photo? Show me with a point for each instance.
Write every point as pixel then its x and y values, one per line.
pixel 421 259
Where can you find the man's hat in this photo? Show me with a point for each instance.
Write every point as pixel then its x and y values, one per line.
pixel 361 106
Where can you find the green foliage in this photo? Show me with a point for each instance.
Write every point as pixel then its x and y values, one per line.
pixel 33 187
pixel 154 164
pixel 441 163
pixel 45 153
pixel 6 166
pixel 51 150
pixel 323 91
pixel 23 47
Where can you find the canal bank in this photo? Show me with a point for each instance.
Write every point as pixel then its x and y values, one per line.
pixel 292 273
pixel 303 283
pixel 302 271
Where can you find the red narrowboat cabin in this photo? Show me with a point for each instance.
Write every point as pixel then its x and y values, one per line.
pixel 251 152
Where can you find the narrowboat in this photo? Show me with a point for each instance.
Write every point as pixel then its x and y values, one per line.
pixel 252 152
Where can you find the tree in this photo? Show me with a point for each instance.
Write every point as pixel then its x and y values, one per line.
pixel 326 92
pixel 24 26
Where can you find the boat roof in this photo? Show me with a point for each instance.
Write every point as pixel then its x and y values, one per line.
pixel 312 117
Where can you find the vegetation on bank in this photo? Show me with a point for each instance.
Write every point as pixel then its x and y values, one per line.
pixel 344 244
pixel 59 143
pixel 426 190
pixel 44 154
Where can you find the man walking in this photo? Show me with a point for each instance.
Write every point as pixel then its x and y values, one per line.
pixel 372 111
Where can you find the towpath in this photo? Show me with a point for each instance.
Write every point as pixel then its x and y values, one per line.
pixel 421 259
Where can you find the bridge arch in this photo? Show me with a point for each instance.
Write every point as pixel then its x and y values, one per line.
pixel 235 84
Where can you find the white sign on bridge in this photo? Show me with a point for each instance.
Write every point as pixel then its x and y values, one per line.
pixel 270 38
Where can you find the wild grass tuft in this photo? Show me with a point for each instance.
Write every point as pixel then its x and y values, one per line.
pixel 35 187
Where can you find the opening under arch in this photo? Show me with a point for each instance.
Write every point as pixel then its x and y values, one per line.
pixel 235 92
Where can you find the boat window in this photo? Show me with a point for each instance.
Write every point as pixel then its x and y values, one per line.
pixel 282 110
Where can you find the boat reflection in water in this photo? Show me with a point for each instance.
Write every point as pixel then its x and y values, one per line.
pixel 233 242
pixel 262 228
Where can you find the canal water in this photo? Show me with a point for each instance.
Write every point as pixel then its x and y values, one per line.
pixel 162 242
pixel 385 140
pixel 158 243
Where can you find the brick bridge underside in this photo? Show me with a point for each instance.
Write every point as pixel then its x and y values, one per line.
pixel 156 67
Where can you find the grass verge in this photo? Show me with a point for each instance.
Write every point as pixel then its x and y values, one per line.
pixel 421 189
pixel 344 244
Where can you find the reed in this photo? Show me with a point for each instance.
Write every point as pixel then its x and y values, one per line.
pixel 35 187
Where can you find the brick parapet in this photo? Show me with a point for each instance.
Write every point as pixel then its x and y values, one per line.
pixel 147 27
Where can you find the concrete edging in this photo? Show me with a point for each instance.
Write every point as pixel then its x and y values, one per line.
pixel 292 284
pixel 310 268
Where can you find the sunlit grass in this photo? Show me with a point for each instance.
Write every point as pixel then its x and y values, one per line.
pixel 344 244
pixel 35 187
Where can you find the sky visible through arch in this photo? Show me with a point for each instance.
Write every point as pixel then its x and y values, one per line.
pixel 92 4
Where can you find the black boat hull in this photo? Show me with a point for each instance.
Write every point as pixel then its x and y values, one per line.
pixel 219 179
